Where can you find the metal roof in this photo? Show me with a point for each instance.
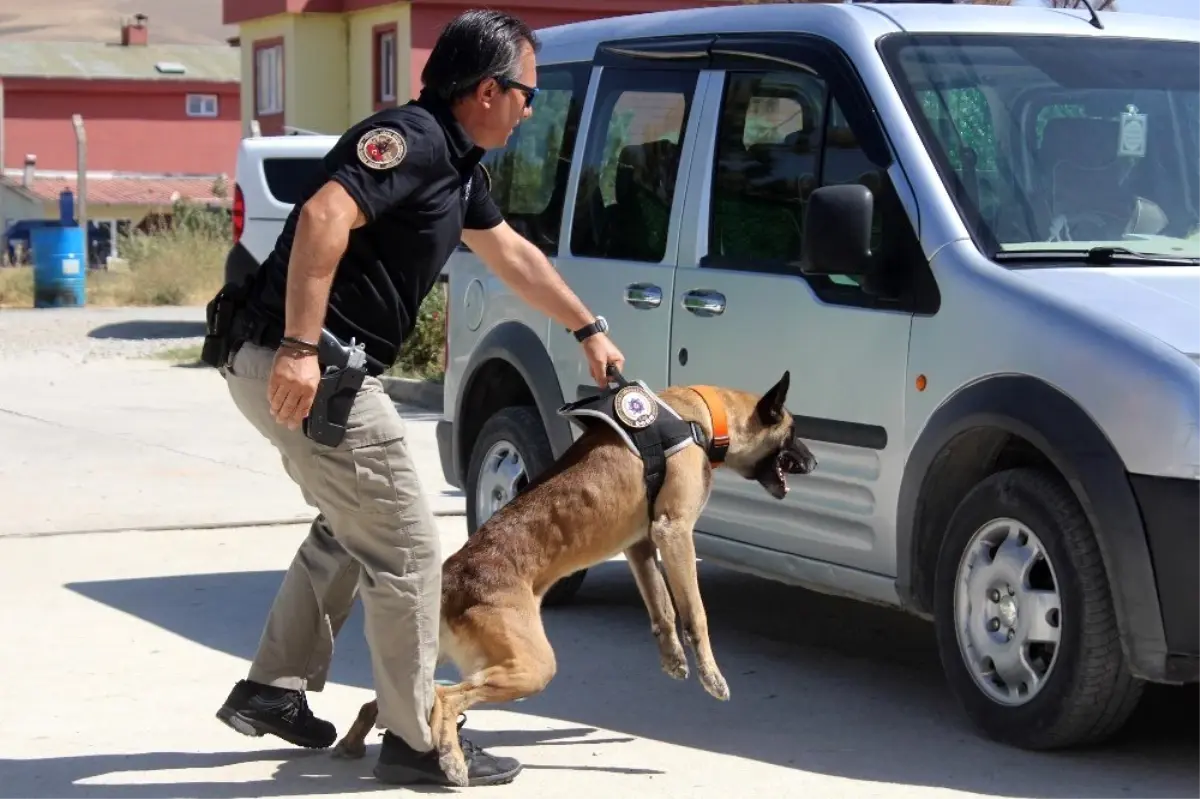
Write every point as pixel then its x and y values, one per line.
pixel 101 60
pixel 160 191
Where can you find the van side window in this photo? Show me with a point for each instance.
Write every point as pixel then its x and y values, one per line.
pixel 529 175
pixel 781 135
pixel 627 180
pixel 767 163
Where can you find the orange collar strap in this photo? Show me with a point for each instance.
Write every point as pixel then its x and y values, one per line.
pixel 719 445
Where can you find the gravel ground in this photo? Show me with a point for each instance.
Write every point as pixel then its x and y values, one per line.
pixel 84 334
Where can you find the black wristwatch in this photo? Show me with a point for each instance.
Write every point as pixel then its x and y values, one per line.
pixel 599 326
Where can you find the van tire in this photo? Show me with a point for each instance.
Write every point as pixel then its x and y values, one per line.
pixel 1088 693
pixel 515 430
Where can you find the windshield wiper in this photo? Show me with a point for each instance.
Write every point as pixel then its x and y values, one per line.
pixel 1100 256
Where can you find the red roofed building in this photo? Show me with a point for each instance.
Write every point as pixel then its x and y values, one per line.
pixel 161 122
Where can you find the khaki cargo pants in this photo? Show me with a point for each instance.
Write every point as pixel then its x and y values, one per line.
pixel 375 534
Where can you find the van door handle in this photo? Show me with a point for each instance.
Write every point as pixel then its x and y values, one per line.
pixel 704 303
pixel 643 295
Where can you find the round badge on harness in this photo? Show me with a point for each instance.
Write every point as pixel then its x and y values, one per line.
pixel 635 407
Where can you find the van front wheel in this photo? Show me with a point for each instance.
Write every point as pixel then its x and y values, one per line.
pixel 1025 624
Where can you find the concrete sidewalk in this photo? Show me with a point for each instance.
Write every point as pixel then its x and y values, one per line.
pixel 121 444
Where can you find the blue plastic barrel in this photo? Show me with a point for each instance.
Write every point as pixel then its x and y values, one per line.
pixel 59 266
pixel 66 207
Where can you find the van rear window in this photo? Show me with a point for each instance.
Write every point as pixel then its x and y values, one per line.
pixel 287 178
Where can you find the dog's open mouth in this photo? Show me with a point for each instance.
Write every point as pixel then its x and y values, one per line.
pixel 772 472
pixel 784 464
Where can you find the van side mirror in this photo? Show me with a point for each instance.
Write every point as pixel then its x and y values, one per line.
pixel 837 231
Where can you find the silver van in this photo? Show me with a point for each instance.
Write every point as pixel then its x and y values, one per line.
pixel 972 233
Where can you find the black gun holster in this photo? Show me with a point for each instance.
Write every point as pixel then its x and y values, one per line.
pixel 330 412
pixel 220 315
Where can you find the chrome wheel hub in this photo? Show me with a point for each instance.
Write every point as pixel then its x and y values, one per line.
pixel 1007 611
pixel 501 477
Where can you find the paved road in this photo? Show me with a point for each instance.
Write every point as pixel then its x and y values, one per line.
pixel 119 646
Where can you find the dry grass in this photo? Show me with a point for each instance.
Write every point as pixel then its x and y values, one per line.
pixel 16 287
pixel 186 266
pixel 173 268
pixel 182 267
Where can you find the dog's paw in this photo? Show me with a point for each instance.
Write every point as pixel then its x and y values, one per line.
pixel 675 666
pixel 349 751
pixel 715 684
pixel 454 766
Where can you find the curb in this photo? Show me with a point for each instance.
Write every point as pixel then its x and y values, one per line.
pixel 422 393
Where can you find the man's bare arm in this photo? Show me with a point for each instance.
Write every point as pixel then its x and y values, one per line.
pixel 527 271
pixel 322 235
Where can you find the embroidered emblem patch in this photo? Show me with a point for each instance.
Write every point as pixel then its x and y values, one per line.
pixel 635 407
pixel 382 148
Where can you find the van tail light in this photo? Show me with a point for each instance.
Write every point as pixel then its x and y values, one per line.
pixel 239 213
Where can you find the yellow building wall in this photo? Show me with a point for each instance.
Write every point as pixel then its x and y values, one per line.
pixel 360 85
pixel 274 27
pixel 332 86
pixel 316 93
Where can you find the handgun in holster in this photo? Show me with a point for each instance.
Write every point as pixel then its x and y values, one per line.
pixel 343 369
pixel 219 318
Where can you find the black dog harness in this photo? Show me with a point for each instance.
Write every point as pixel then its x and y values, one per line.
pixel 649 427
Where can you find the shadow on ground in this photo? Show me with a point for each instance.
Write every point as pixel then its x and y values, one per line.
pixel 144 329
pixel 298 772
pixel 818 684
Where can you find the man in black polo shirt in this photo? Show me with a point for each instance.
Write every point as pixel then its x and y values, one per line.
pixel 358 255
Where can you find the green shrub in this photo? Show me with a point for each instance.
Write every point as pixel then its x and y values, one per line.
pixel 422 354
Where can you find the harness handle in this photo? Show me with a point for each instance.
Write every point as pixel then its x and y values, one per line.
pixel 615 375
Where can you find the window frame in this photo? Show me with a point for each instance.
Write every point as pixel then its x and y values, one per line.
pixel 381 74
pixel 269 84
pixel 204 100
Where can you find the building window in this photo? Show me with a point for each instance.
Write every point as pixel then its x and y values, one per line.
pixel 202 105
pixel 268 79
pixel 385 65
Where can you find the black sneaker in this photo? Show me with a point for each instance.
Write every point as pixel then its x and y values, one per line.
pixel 255 709
pixel 400 764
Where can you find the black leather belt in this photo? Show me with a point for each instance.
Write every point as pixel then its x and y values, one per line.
pixel 256 328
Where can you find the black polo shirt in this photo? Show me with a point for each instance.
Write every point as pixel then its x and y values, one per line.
pixel 416 176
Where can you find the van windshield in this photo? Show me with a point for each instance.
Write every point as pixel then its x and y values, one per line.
pixel 1056 144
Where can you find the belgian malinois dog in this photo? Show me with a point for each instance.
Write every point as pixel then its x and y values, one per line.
pixel 589 506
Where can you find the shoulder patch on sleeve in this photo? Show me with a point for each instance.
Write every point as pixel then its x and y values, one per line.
pixel 487 177
pixel 382 148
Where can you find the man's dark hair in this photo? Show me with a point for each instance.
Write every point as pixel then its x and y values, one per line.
pixel 475 46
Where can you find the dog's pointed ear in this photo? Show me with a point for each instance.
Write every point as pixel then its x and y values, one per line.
pixel 770 407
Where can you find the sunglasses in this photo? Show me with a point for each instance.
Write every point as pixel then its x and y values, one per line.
pixel 530 92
